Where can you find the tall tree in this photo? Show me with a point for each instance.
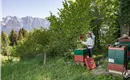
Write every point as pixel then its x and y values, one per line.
pixel 4 43
pixel 20 35
pixel 13 37
pixel 125 16
pixel 0 44
pixel 73 20
pixel 81 16
pixel 24 32
pixel 105 21
pixel 42 37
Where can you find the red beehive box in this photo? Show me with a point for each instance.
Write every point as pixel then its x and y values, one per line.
pixel 80 58
pixel 90 63
pixel 116 67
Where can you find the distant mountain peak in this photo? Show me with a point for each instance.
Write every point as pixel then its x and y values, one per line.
pixel 12 22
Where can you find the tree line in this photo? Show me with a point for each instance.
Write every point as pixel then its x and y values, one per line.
pixel 12 39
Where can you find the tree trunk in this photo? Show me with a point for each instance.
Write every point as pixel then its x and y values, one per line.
pixel 97 36
pixel 44 59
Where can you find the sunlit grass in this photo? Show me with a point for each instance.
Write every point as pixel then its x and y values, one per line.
pixel 55 69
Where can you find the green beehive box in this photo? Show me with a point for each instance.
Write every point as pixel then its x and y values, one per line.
pixel 81 51
pixel 117 56
pixel 126 43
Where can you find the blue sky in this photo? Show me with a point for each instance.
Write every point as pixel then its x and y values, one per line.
pixel 34 8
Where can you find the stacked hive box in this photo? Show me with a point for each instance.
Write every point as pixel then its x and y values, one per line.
pixel 126 42
pixel 117 58
pixel 80 55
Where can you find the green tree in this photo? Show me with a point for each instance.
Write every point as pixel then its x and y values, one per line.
pixel 20 35
pixel 124 12
pixel 105 21
pixel 24 33
pixel 42 37
pixel 125 16
pixel 0 44
pixel 36 43
pixel 13 37
pixel 73 20
pixel 81 16
pixel 4 43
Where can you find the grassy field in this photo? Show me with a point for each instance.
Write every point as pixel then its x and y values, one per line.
pixel 55 69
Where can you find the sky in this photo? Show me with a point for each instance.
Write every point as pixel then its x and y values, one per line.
pixel 34 8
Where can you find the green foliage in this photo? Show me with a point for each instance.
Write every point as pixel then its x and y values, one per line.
pixel 41 36
pixel 81 16
pixel 104 23
pixel 13 37
pixel 0 44
pixel 35 43
pixel 73 20
pixel 24 32
pixel 4 43
pixel 124 12
pixel 25 49
pixel 20 35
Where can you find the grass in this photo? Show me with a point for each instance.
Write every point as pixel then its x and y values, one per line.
pixel 55 69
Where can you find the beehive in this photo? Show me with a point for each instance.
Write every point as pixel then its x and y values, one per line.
pixel 80 54
pixel 117 58
pixel 117 55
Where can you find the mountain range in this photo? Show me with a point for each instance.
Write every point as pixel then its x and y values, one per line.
pixel 29 23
